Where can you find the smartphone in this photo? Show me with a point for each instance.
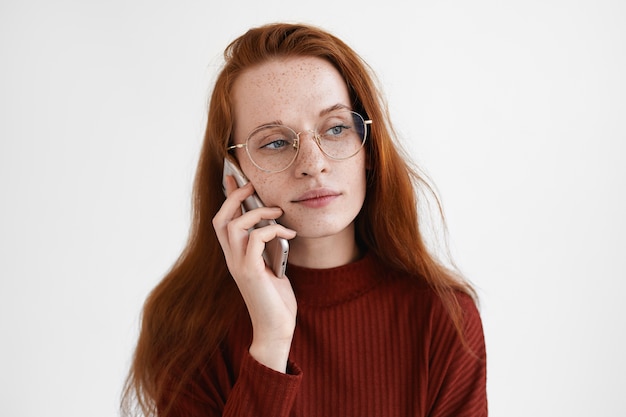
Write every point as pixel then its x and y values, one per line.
pixel 277 250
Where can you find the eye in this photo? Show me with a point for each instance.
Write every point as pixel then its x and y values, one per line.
pixel 271 139
pixel 276 144
pixel 336 131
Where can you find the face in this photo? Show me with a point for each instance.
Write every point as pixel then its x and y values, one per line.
pixel 320 197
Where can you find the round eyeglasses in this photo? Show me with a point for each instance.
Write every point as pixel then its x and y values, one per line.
pixel 274 147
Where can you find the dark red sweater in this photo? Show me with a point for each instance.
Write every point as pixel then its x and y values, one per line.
pixel 368 342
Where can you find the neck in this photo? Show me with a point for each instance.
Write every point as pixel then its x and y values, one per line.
pixel 324 252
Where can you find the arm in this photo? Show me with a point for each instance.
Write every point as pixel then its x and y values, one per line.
pixel 270 301
pixel 256 391
pixel 458 382
pixel 209 386
pixel 262 391
pixel 246 378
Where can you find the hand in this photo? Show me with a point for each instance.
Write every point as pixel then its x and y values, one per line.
pixel 270 300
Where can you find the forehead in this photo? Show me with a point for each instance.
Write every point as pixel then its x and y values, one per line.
pixel 287 90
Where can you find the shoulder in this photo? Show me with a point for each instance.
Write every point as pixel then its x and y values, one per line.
pixel 442 310
pixel 416 287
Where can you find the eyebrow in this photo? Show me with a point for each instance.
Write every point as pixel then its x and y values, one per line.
pixel 323 112
pixel 331 109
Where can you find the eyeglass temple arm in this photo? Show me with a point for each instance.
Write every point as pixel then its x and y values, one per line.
pixel 237 146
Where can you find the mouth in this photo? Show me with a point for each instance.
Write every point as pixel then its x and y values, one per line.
pixel 317 198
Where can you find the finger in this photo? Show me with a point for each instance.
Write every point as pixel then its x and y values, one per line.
pixel 235 193
pixel 230 184
pixel 258 238
pixel 259 217
pixel 246 227
pixel 231 207
pixel 238 229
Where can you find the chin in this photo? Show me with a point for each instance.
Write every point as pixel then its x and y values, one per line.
pixel 317 229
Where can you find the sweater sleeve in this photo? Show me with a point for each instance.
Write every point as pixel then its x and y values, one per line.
pixel 261 391
pixel 457 386
pixel 246 389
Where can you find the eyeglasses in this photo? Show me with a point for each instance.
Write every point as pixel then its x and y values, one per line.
pixel 274 147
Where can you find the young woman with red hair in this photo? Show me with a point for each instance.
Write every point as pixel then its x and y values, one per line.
pixel 366 321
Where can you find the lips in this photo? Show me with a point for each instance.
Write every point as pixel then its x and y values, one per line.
pixel 318 197
pixel 315 194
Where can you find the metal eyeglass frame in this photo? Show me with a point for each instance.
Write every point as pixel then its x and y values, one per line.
pixel 296 144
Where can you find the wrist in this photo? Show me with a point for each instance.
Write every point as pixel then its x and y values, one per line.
pixel 273 355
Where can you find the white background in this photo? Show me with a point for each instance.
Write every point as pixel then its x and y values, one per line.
pixel 516 108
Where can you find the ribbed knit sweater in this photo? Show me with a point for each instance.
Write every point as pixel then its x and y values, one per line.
pixel 368 342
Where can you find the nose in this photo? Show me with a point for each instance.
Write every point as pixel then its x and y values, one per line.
pixel 310 160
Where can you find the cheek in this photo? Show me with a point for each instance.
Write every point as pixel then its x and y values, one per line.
pixel 356 174
pixel 264 184
pixel 268 190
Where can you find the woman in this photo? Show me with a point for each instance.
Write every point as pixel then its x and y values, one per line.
pixel 366 321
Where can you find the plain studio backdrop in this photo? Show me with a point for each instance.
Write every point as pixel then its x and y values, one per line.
pixel 516 109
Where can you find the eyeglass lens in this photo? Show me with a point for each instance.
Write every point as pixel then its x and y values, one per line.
pixel 340 135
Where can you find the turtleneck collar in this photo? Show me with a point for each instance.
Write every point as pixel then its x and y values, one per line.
pixel 328 287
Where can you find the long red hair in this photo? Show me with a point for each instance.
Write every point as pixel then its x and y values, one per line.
pixel 188 313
